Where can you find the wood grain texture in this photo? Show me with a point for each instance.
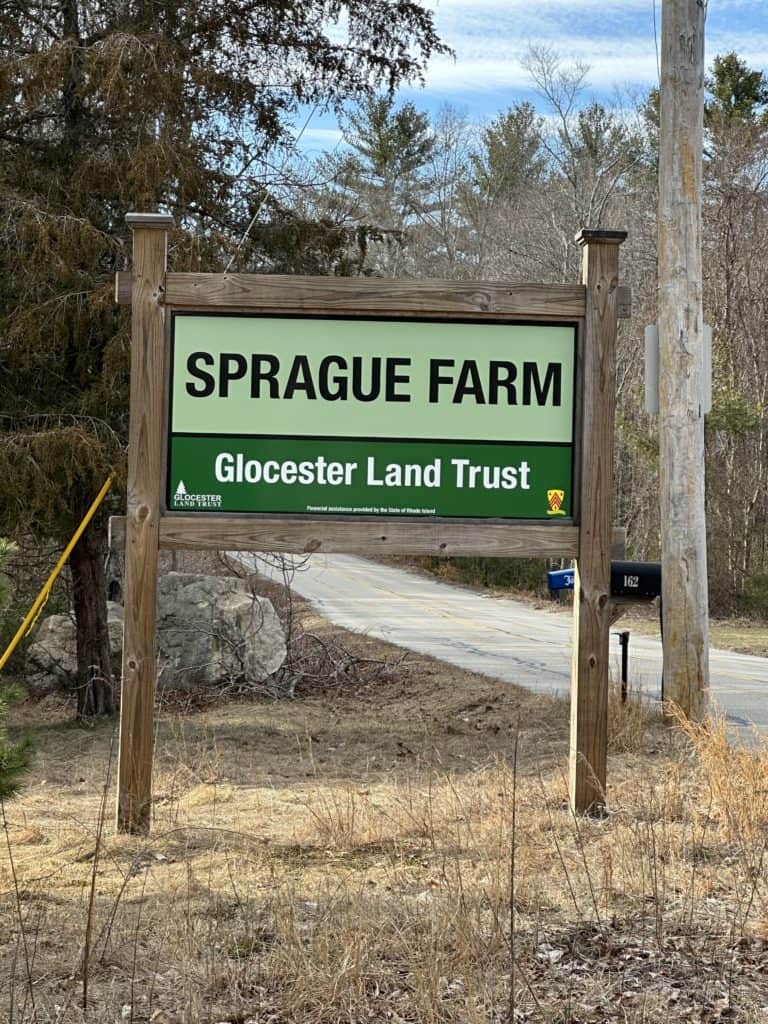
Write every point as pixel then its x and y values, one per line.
pixel 134 800
pixel 123 288
pixel 275 293
pixel 592 604
pixel 681 343
pixel 367 537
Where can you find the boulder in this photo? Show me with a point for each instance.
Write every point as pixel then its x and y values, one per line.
pixel 52 658
pixel 212 631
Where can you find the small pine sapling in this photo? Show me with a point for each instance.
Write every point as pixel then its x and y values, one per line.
pixel 14 757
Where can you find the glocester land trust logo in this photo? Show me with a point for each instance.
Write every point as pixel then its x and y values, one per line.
pixel 182 499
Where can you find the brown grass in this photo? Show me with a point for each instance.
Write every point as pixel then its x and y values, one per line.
pixel 744 636
pixel 347 859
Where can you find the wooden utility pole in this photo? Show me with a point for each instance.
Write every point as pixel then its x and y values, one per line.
pixel 681 333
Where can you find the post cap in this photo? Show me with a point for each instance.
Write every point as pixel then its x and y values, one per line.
pixel 600 236
pixel 149 220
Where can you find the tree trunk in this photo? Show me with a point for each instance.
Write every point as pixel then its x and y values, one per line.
pixel 95 690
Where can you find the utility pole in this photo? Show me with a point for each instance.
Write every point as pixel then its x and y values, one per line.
pixel 681 334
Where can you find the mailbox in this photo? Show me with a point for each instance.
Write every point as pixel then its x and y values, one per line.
pixel 640 581
pixel 560 579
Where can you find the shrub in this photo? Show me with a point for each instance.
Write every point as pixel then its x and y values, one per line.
pixel 527 574
pixel 13 756
pixel 754 600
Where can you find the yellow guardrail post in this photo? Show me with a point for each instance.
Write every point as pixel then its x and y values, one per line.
pixel 34 612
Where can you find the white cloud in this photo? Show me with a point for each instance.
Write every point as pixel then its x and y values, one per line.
pixel 610 8
pixel 495 7
pixel 495 64
pixel 490 38
pixel 324 135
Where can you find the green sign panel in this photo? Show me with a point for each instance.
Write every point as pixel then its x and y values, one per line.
pixel 388 417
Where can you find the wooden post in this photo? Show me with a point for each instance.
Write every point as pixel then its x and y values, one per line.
pixel 592 609
pixel 681 340
pixel 134 797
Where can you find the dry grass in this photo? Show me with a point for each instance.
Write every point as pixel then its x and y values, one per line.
pixel 349 859
pixel 745 636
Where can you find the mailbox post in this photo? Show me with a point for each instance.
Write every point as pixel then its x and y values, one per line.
pixel 624 644
pixel 631 583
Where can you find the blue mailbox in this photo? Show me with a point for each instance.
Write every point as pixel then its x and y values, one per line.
pixel 560 579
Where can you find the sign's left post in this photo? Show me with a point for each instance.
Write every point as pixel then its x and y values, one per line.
pixel 145 438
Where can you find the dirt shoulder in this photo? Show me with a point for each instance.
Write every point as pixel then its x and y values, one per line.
pixel 378 708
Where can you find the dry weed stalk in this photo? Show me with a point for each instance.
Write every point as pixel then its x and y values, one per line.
pixel 30 993
pixel 736 772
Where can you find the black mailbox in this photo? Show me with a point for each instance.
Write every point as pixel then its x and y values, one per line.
pixel 638 580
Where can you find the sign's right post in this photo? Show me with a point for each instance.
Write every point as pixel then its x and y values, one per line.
pixel 591 599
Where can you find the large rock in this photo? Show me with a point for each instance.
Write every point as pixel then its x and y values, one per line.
pixel 211 631
pixel 52 658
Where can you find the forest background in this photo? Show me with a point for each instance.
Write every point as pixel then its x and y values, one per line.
pixel 108 107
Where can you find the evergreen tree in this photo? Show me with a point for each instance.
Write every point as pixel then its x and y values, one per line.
pixel 108 106
pixel 380 185
pixel 511 155
pixel 507 165
pixel 737 93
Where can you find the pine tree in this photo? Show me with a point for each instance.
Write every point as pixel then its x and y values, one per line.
pixel 108 106
pixel 737 93
pixel 380 186
pixel 511 155
pixel 508 166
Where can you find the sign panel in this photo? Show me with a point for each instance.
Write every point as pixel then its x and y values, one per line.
pixel 371 417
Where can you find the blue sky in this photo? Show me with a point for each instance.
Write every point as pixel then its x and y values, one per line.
pixel 614 37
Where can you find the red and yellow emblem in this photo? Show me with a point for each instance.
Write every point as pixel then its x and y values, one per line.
pixel 555 500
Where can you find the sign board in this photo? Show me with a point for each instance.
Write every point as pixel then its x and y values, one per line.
pixel 388 417
pixel 366 415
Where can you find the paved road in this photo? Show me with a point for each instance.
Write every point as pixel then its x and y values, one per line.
pixel 506 639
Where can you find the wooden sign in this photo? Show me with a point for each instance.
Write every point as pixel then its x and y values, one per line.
pixel 402 417
pixel 297 414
